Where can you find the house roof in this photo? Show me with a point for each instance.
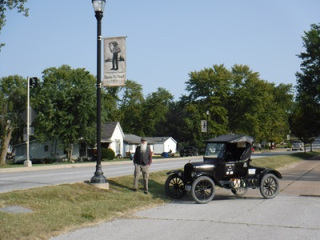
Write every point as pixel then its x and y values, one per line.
pixel 107 130
pixel 158 139
pixel 134 139
pixel 131 138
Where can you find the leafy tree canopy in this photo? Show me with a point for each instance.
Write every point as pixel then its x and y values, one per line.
pixel 12 104
pixel 307 113
pixel 66 105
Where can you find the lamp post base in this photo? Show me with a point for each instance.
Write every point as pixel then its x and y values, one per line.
pixel 27 163
pixel 100 185
pixel 98 180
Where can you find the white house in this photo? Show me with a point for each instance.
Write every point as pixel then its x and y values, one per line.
pixel 163 144
pixel 131 142
pixel 49 150
pixel 112 137
pixel 316 143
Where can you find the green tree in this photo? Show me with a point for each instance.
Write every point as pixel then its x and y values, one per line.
pixel 308 87
pixel 258 108
pixel 238 102
pixel 208 89
pixel 190 125
pixel 11 4
pixel 154 113
pixel 13 103
pixel 301 119
pixel 66 106
pixel 131 108
pixel 246 101
pixel 109 104
pixel 174 124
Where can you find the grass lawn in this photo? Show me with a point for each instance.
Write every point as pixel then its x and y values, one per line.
pixel 66 207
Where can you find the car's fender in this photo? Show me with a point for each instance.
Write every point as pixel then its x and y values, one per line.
pixel 200 174
pixel 178 172
pixel 272 171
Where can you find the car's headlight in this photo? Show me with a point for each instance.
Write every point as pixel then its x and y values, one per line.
pixel 193 174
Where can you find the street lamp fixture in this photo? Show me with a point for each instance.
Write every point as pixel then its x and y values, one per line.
pixel 98 177
pixel 98 5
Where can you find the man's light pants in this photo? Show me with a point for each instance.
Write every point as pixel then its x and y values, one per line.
pixel 145 174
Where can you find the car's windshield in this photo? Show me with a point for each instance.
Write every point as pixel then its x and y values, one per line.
pixel 215 150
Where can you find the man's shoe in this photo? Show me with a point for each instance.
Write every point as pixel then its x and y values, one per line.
pixel 145 192
pixel 134 189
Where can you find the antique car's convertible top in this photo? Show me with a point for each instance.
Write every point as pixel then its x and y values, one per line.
pixel 230 147
pixel 226 163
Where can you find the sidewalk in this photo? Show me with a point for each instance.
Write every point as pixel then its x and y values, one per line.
pixel 226 217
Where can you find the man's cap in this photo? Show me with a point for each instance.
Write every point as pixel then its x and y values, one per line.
pixel 143 139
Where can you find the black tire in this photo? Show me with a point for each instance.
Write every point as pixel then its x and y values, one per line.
pixel 269 186
pixel 203 189
pixel 175 187
pixel 239 191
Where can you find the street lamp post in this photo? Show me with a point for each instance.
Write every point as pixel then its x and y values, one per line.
pixel 98 177
pixel 207 113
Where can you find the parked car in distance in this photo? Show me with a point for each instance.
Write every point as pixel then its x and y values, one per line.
pixel 9 156
pixel 297 145
pixel 188 151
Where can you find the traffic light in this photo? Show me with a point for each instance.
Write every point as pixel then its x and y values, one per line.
pixel 33 82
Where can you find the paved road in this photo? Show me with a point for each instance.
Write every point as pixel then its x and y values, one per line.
pixel 24 178
pixel 293 214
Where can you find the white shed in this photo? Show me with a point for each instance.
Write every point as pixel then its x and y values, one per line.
pixel 131 142
pixel 163 144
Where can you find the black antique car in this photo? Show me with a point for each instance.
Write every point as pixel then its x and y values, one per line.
pixel 226 163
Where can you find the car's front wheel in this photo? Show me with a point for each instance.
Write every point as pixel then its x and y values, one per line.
pixel 269 186
pixel 203 189
pixel 175 187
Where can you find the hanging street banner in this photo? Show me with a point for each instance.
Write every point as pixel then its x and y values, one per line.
pixel 114 62
pixel 204 126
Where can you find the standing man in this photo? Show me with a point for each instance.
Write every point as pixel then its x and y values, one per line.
pixel 142 160
pixel 114 49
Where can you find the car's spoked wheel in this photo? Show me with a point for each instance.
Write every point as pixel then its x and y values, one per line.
pixel 239 191
pixel 203 189
pixel 269 186
pixel 175 187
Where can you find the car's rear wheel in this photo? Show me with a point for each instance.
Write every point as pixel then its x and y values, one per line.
pixel 203 189
pixel 175 187
pixel 239 191
pixel 269 186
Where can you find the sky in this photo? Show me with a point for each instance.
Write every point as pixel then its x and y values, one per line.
pixel 166 40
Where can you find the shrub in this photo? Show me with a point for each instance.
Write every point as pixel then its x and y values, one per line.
pixel 108 153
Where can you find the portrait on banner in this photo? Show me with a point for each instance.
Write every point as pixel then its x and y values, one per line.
pixel 114 61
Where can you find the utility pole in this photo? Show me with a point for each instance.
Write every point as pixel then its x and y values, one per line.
pixel 28 163
pixel 32 82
